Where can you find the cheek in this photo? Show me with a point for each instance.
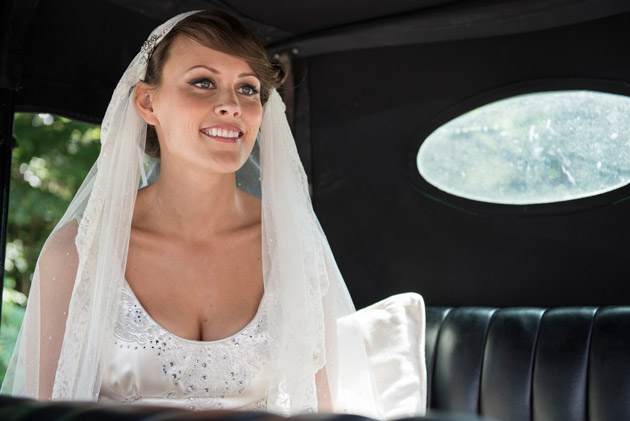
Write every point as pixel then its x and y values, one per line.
pixel 174 100
pixel 181 114
pixel 190 105
pixel 254 116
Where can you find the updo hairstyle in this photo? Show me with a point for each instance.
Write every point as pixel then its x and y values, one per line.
pixel 222 32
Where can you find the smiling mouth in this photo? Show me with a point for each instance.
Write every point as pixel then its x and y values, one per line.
pixel 223 135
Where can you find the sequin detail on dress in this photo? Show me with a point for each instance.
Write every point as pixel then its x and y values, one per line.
pixel 203 373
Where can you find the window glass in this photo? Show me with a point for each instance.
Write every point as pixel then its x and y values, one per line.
pixel 535 148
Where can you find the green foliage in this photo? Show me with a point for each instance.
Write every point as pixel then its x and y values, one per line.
pixel 53 157
pixel 11 320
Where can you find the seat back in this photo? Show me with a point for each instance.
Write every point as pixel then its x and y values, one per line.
pixel 537 364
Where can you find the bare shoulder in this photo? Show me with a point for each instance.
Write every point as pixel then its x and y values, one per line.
pixel 59 258
pixel 61 243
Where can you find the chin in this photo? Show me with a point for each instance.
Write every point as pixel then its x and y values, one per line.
pixel 227 166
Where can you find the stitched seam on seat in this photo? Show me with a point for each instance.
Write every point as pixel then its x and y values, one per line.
pixel 587 408
pixel 533 366
pixel 483 359
pixel 434 358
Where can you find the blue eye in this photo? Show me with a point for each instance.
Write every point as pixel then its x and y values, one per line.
pixel 202 83
pixel 248 90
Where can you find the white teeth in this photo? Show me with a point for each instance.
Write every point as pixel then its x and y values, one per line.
pixel 223 133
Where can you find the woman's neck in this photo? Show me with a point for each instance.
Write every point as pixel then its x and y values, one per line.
pixel 190 204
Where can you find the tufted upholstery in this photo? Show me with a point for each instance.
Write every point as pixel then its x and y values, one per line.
pixel 534 364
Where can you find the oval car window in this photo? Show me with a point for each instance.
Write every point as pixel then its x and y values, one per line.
pixel 535 148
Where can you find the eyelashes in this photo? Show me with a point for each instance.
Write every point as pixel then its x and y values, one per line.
pixel 202 83
pixel 251 90
pixel 205 83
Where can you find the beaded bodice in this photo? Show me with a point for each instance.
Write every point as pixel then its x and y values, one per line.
pixel 148 364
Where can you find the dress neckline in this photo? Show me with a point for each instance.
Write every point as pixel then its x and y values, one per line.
pixel 192 341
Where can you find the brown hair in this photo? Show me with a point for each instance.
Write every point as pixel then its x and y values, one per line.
pixel 222 32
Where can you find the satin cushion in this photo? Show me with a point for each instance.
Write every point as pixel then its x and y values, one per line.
pixel 393 330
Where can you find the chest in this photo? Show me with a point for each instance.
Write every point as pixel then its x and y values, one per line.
pixel 198 291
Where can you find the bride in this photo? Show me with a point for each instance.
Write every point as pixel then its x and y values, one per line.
pixel 211 286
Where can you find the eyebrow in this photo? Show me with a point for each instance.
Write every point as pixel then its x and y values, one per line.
pixel 216 72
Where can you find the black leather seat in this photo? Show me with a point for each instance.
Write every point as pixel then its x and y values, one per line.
pixel 530 363
pixel 19 409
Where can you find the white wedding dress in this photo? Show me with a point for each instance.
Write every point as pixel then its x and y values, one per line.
pixel 148 364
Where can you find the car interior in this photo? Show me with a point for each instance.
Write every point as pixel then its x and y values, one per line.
pixel 390 103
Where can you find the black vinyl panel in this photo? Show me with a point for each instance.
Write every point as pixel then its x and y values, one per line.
pixel 166 9
pixel 14 24
pixel 454 21
pixel 367 108
pixel 71 68
pixel 304 17
pixel 561 367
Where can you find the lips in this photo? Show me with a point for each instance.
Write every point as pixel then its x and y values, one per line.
pixel 223 133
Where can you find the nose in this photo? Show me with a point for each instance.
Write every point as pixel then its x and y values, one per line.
pixel 227 105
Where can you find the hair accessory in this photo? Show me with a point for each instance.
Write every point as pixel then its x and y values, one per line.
pixel 147 48
pixel 156 36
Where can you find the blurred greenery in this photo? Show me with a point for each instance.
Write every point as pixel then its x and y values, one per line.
pixel 53 157
pixel 11 320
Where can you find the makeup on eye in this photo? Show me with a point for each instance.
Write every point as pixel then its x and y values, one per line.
pixel 249 90
pixel 206 83
pixel 203 83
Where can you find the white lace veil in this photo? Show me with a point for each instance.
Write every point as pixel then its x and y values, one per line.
pixel 79 275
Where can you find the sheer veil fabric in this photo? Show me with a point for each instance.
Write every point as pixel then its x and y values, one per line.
pixel 79 276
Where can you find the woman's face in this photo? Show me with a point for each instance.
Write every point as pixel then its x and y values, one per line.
pixel 206 107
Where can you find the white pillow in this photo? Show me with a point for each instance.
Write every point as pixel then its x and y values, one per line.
pixel 393 330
